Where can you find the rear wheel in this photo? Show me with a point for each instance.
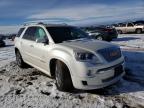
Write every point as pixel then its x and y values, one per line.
pixel 4 44
pixel 19 60
pixel 62 76
pixel 120 32
pixel 99 38
pixel 110 39
pixel 138 31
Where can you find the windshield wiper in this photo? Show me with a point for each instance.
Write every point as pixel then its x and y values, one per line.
pixel 80 39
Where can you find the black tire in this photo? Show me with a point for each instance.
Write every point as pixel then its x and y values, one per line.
pixel 4 45
pixel 120 32
pixel 138 31
pixel 62 76
pixel 19 60
pixel 99 38
pixel 109 39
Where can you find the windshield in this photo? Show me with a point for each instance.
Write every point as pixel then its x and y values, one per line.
pixel 60 34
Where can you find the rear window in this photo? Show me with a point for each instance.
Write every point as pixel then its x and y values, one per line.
pixel 20 32
pixel 122 25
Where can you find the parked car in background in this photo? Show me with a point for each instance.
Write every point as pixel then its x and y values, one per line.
pixel 129 28
pixel 2 43
pixel 69 55
pixel 12 36
pixel 139 24
pixel 103 33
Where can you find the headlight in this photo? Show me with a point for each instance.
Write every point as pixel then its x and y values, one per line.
pixel 87 57
pixel 84 56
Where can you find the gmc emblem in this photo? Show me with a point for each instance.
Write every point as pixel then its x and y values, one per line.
pixel 113 54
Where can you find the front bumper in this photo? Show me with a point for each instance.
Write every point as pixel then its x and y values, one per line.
pixel 105 77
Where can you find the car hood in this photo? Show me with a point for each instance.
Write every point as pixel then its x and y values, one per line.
pixel 89 44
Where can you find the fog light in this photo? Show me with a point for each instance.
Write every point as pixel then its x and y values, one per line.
pixel 89 73
pixel 84 82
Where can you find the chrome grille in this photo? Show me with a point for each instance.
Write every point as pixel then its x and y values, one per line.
pixel 110 54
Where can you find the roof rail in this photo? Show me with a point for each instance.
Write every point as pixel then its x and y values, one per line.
pixel 42 22
pixel 32 22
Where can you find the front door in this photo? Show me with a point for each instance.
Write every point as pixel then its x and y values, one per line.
pixel 41 49
pixel 130 28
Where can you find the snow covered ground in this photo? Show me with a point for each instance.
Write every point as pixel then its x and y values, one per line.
pixel 130 41
pixel 29 88
pixel 7 53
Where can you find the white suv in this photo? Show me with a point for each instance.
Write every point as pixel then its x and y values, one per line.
pixel 69 55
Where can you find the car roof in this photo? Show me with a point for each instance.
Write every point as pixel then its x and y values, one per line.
pixel 46 25
pixel 57 25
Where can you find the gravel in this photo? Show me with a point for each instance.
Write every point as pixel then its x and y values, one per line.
pixel 29 88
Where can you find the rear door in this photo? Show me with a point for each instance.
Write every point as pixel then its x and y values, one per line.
pixel 27 44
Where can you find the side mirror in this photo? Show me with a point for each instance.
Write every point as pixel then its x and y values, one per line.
pixel 89 34
pixel 42 40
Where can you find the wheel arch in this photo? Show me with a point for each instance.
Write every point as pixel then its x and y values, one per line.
pixel 16 49
pixel 62 55
pixel 138 29
pixel 52 65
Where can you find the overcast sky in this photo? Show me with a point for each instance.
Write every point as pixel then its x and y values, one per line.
pixel 77 12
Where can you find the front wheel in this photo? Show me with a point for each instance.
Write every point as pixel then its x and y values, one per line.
pixel 62 76
pixel 138 31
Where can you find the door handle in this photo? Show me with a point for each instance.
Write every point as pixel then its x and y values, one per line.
pixel 31 46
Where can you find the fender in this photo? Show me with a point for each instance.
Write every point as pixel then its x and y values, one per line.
pixel 64 56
